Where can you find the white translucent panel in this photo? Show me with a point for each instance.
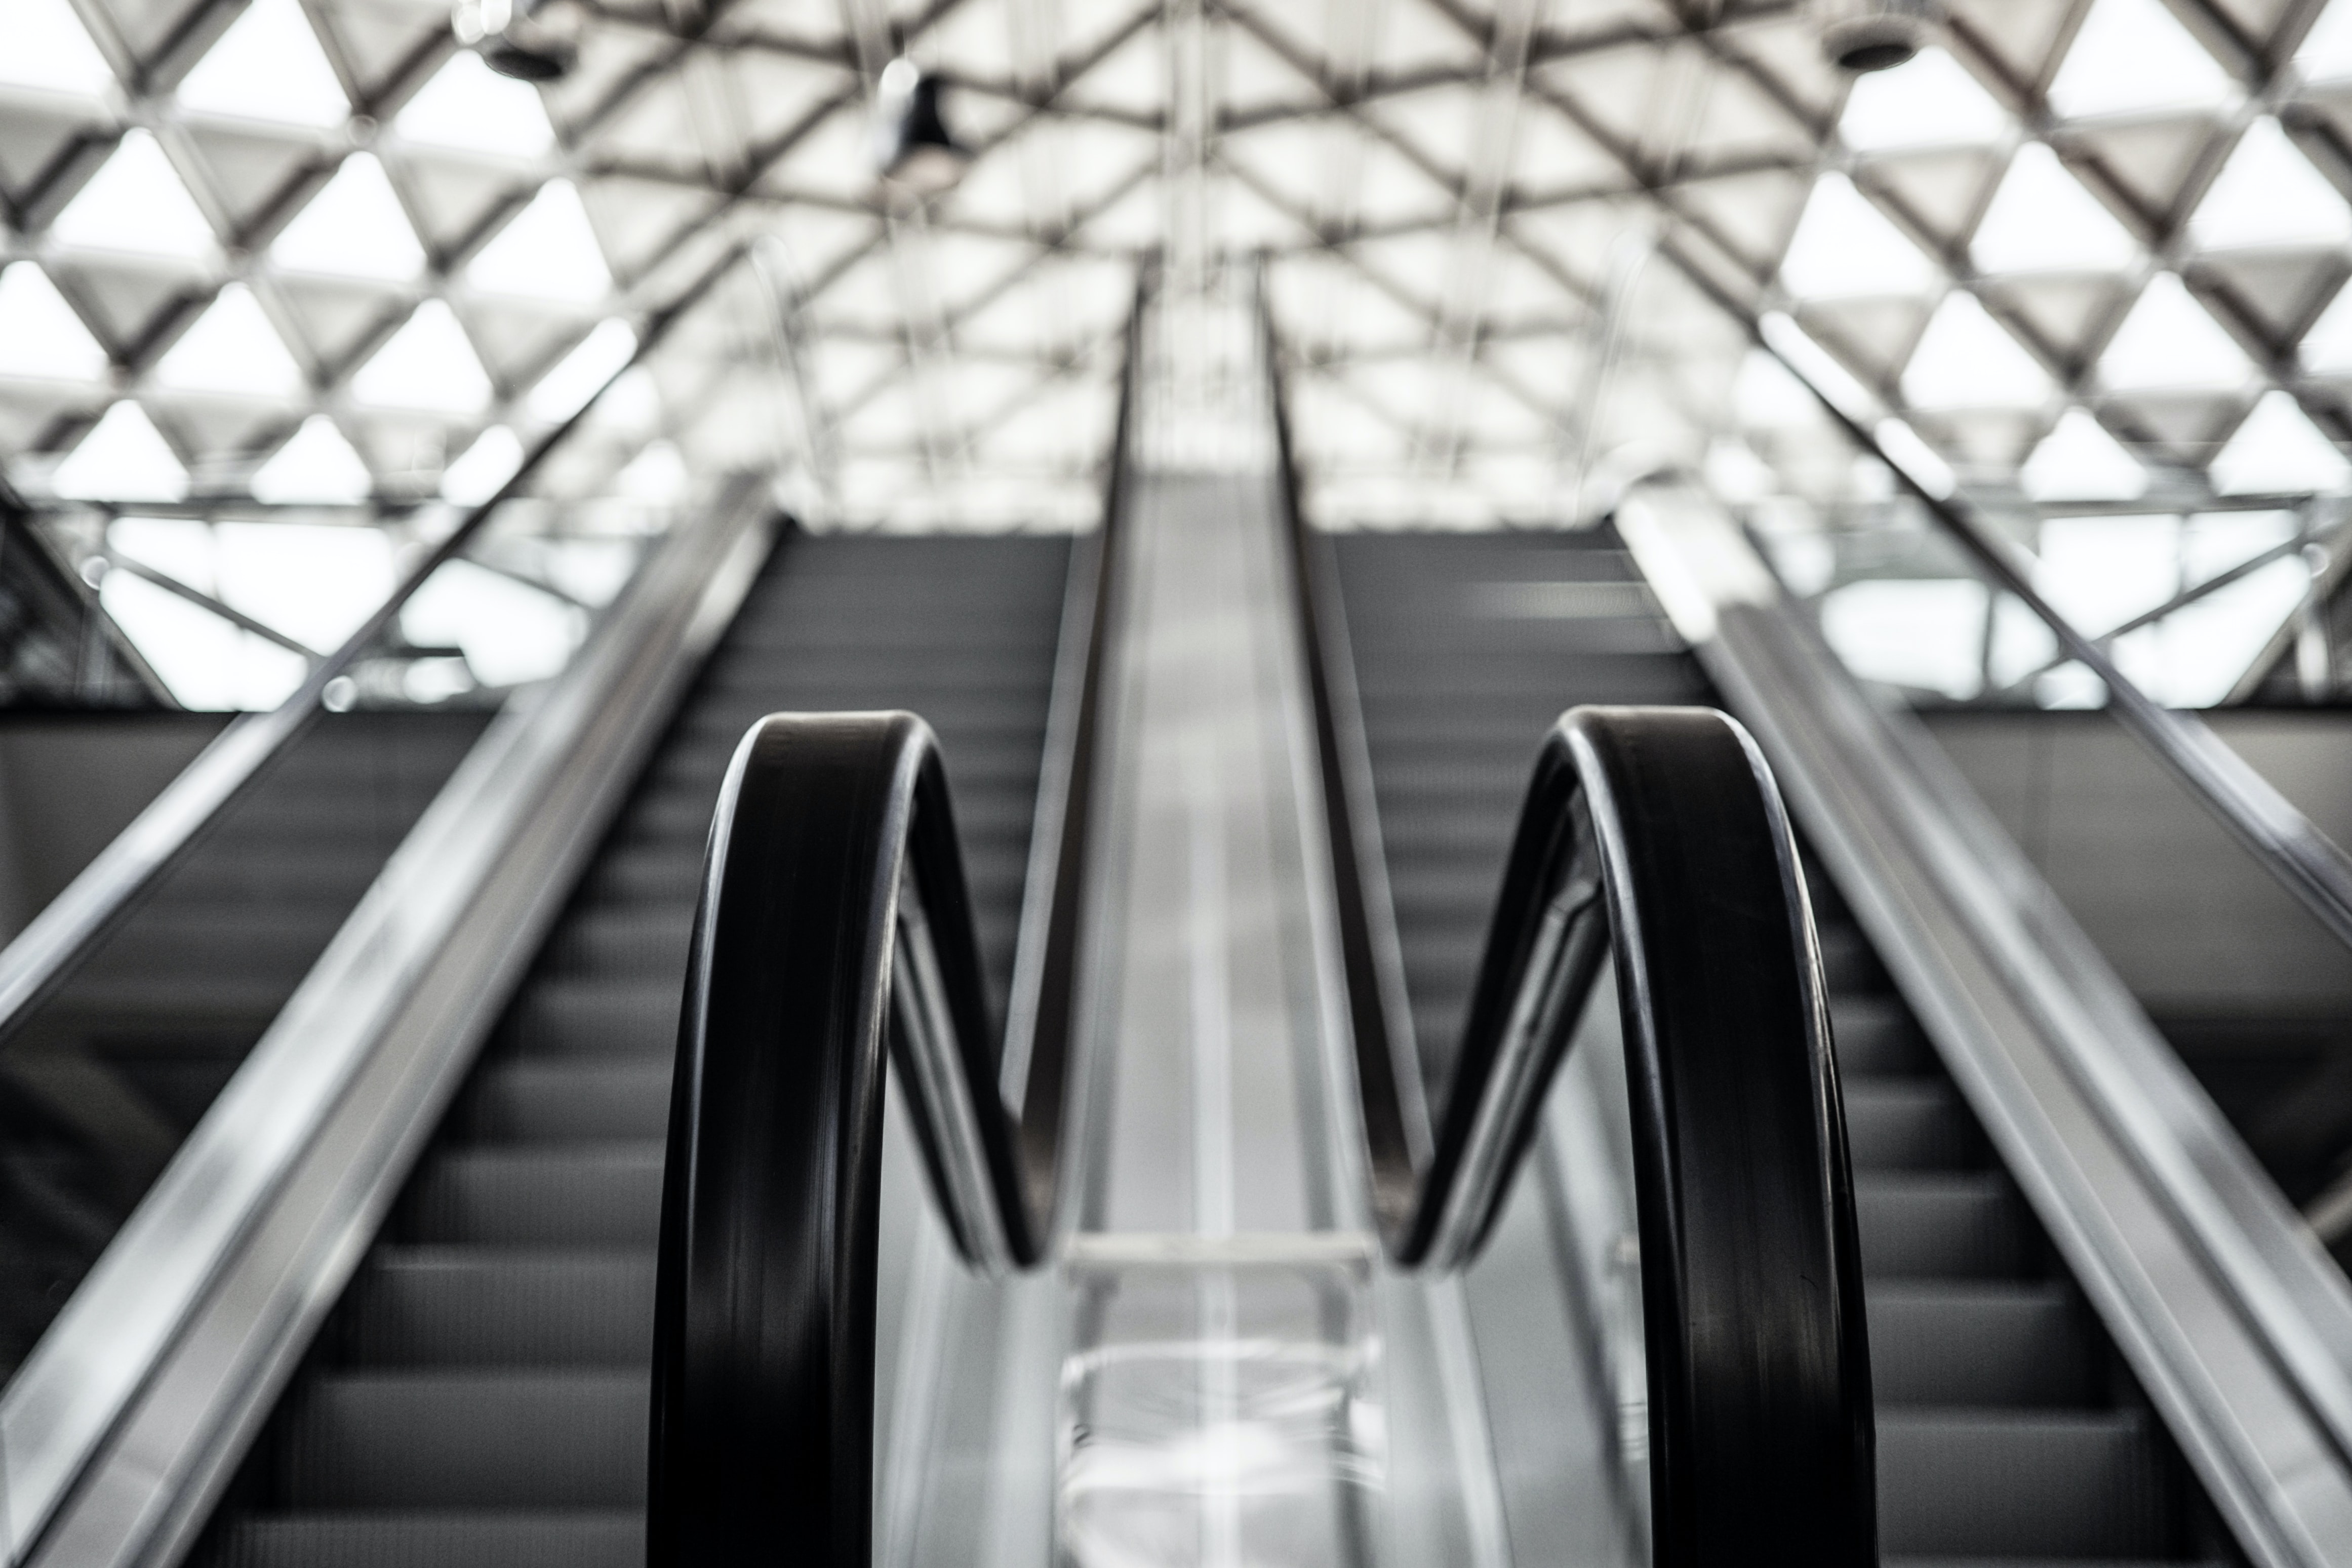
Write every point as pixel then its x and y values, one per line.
pixel 2327 348
pixel 2269 194
pixel 1734 472
pixel 1764 396
pixel 2021 642
pixel 2079 461
pixel 657 475
pixel 2099 572
pixel 2132 56
pixel 2208 646
pixel 2170 342
pixel 318 465
pixel 429 365
pixel 511 633
pixel 561 393
pixel 40 336
pixel 1967 360
pixel 315 582
pixel 267 66
pixel 485 465
pixel 352 228
pixel 137 202
pixel 2326 51
pixel 591 571
pixel 469 106
pixel 123 458
pixel 1843 246
pixel 548 251
pixel 2043 220
pixel 232 348
pixel 633 403
pixel 1932 102
pixel 1927 635
pixel 199 656
pixel 2279 451
pixel 2212 542
pixel 180 548
pixel 47 47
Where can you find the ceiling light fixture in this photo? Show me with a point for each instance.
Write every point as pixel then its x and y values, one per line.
pixel 1876 35
pixel 911 144
pixel 511 41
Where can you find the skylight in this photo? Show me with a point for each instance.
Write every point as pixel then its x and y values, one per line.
pixel 429 365
pixel 1765 395
pixel 564 390
pixel 317 467
pixel 314 581
pixel 199 656
pixel 267 66
pixel 2133 57
pixel 2079 461
pixel 137 202
pixel 2269 194
pixel 1931 102
pixel 1845 246
pixel 485 465
pixel 510 634
pixel 548 251
pixel 231 349
pixel 2043 220
pixel 352 228
pixel 2169 342
pixel 48 49
pixel 2326 51
pixel 122 459
pixel 40 336
pixel 470 107
pixel 2278 451
pixel 2328 347
pixel 1965 359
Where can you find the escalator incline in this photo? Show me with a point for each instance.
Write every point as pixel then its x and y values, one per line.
pixel 478 1396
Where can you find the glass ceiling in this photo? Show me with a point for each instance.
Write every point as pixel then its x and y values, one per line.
pixel 303 253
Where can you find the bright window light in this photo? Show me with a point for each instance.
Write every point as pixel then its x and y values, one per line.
pixel 123 458
pixel 40 336
pixel 485 465
pixel 1845 246
pixel 352 228
pixel 315 582
pixel 1967 360
pixel 591 571
pixel 2043 220
pixel 2326 51
pixel 470 107
pixel 177 547
pixel 1734 472
pixel 200 657
pixel 657 475
pixel 2169 342
pixel 1764 396
pixel 429 365
pixel 2326 349
pixel 231 349
pixel 2279 451
pixel 1926 635
pixel 2269 194
pixel 548 251
pixel 511 633
pixel 2079 461
pixel 317 466
pixel 2133 57
pixel 267 66
pixel 2208 646
pixel 48 49
pixel 564 390
pixel 1931 102
pixel 2101 571
pixel 633 405
pixel 137 202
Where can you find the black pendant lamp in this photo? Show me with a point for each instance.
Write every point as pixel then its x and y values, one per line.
pixel 911 145
pixel 512 42
pixel 1877 34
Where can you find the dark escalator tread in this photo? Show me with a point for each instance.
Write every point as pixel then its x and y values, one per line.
pixel 1938 1225
pixel 2050 1484
pixel 472 1306
pixel 608 1538
pixel 572 1196
pixel 1951 1345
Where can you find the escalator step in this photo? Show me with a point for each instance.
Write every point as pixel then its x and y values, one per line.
pixel 449 1306
pixel 571 1196
pixel 1907 1123
pixel 2079 1484
pixel 1985 1344
pixel 1960 1226
pixel 604 1537
pixel 539 1102
pixel 505 1439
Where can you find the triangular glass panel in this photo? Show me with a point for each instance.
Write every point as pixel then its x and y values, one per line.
pixel 2016 37
pixel 137 202
pixel 267 66
pixel 131 302
pixel 427 365
pixel 1752 214
pixel 548 251
pixel 40 336
pixel 2043 220
pixel 352 228
pixel 1872 336
pixel 2133 57
pixel 2269 194
pixel 48 49
pixel 251 173
pixel 1940 194
pixel 579 375
pixel 1933 101
pixel 2279 451
pixel 1965 360
pixel 2168 341
pixel 122 459
pixel 2272 293
pixel 2189 426
pixel 2326 349
pixel 1843 246
pixel 2062 315
pixel 2079 461
pixel 471 108
pixel 232 348
pixel 317 466
pixel 2325 54
pixel 485 465
pixel 334 319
